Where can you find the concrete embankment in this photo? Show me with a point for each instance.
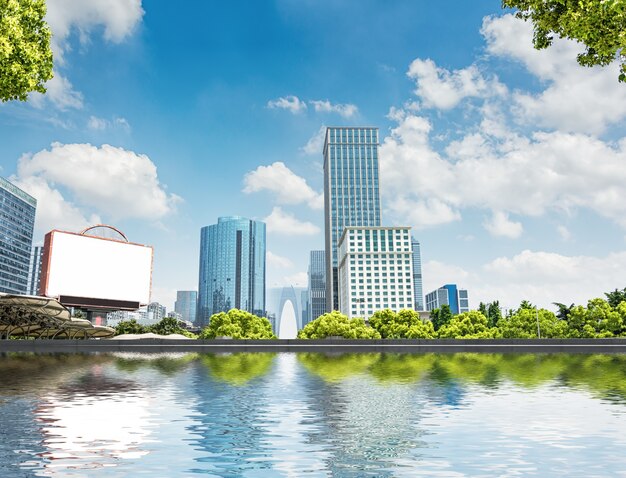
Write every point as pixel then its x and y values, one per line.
pixel 323 346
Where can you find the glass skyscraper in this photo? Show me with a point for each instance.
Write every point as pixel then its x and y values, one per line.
pixel 351 194
pixel 317 284
pixel 17 220
pixel 232 268
pixel 34 278
pixel 186 304
pixel 417 275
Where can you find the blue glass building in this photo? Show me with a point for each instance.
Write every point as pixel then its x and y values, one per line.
pixel 17 221
pixel 232 268
pixel 351 194
pixel 417 275
pixel 317 285
pixel 451 295
pixel 186 304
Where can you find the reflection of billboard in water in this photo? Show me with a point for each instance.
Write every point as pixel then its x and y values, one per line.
pixel 96 272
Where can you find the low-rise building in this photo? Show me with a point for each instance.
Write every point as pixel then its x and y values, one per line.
pixel 449 294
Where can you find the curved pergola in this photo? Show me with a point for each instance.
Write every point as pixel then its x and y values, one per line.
pixel 44 318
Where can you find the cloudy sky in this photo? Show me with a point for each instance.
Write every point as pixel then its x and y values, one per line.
pixel 509 163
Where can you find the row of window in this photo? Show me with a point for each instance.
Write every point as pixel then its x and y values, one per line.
pixel 353 135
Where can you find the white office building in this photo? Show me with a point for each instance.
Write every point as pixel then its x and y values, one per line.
pixel 375 270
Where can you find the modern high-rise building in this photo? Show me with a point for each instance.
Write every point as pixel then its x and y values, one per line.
pixel 417 275
pixel 34 275
pixel 449 294
pixel 186 304
pixel 375 270
pixel 17 221
pixel 232 268
pixel 317 284
pixel 351 194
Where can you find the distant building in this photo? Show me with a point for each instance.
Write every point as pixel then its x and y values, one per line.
pixel 17 221
pixel 232 268
pixel 175 315
pixel 186 304
pixel 280 301
pixel 317 285
pixel 449 294
pixel 417 275
pixel 305 304
pixel 375 270
pixel 351 193
pixel 157 311
pixel 34 275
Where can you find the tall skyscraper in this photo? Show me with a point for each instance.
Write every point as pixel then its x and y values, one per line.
pixel 317 284
pixel 417 275
pixel 232 268
pixel 451 295
pixel 186 304
pixel 375 270
pixel 34 275
pixel 17 220
pixel 351 194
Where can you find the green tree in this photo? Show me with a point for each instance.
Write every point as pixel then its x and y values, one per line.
pixel 169 326
pixel 25 54
pixel 600 25
pixel 563 311
pixel 526 305
pixel 336 324
pixel 238 324
pixel 493 313
pixel 441 317
pixel 482 308
pixel 597 320
pixel 468 325
pixel 616 297
pixel 402 325
pixel 130 327
pixel 523 325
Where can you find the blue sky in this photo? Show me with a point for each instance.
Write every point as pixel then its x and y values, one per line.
pixel 508 162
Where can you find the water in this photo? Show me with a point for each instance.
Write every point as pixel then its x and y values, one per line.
pixel 292 415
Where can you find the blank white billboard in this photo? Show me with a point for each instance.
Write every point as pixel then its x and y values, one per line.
pixel 92 267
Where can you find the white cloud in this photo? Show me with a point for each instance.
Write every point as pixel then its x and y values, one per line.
pixel 540 277
pixel 325 106
pixel 119 19
pixel 288 187
pixel 291 103
pixel 60 92
pixel 278 262
pixel 101 124
pixel 280 222
pixel 442 89
pixel 107 181
pixel 509 173
pixel 501 226
pixel 315 144
pixel 564 232
pixel 576 98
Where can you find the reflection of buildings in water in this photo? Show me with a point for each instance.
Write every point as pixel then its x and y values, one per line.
pixel 94 421
pixel 227 431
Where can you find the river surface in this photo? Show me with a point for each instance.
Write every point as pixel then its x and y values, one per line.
pixel 313 415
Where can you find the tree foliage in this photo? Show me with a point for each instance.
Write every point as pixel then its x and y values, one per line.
pixel 336 324
pixel 440 317
pixel 25 54
pixel 523 325
pixel 405 324
pixel 238 324
pixel 600 25
pixel 130 327
pixel 616 297
pixel 468 325
pixel 169 326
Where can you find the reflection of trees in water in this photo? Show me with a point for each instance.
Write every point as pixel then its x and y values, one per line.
pixel 168 364
pixel 603 375
pixel 228 431
pixel 238 368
